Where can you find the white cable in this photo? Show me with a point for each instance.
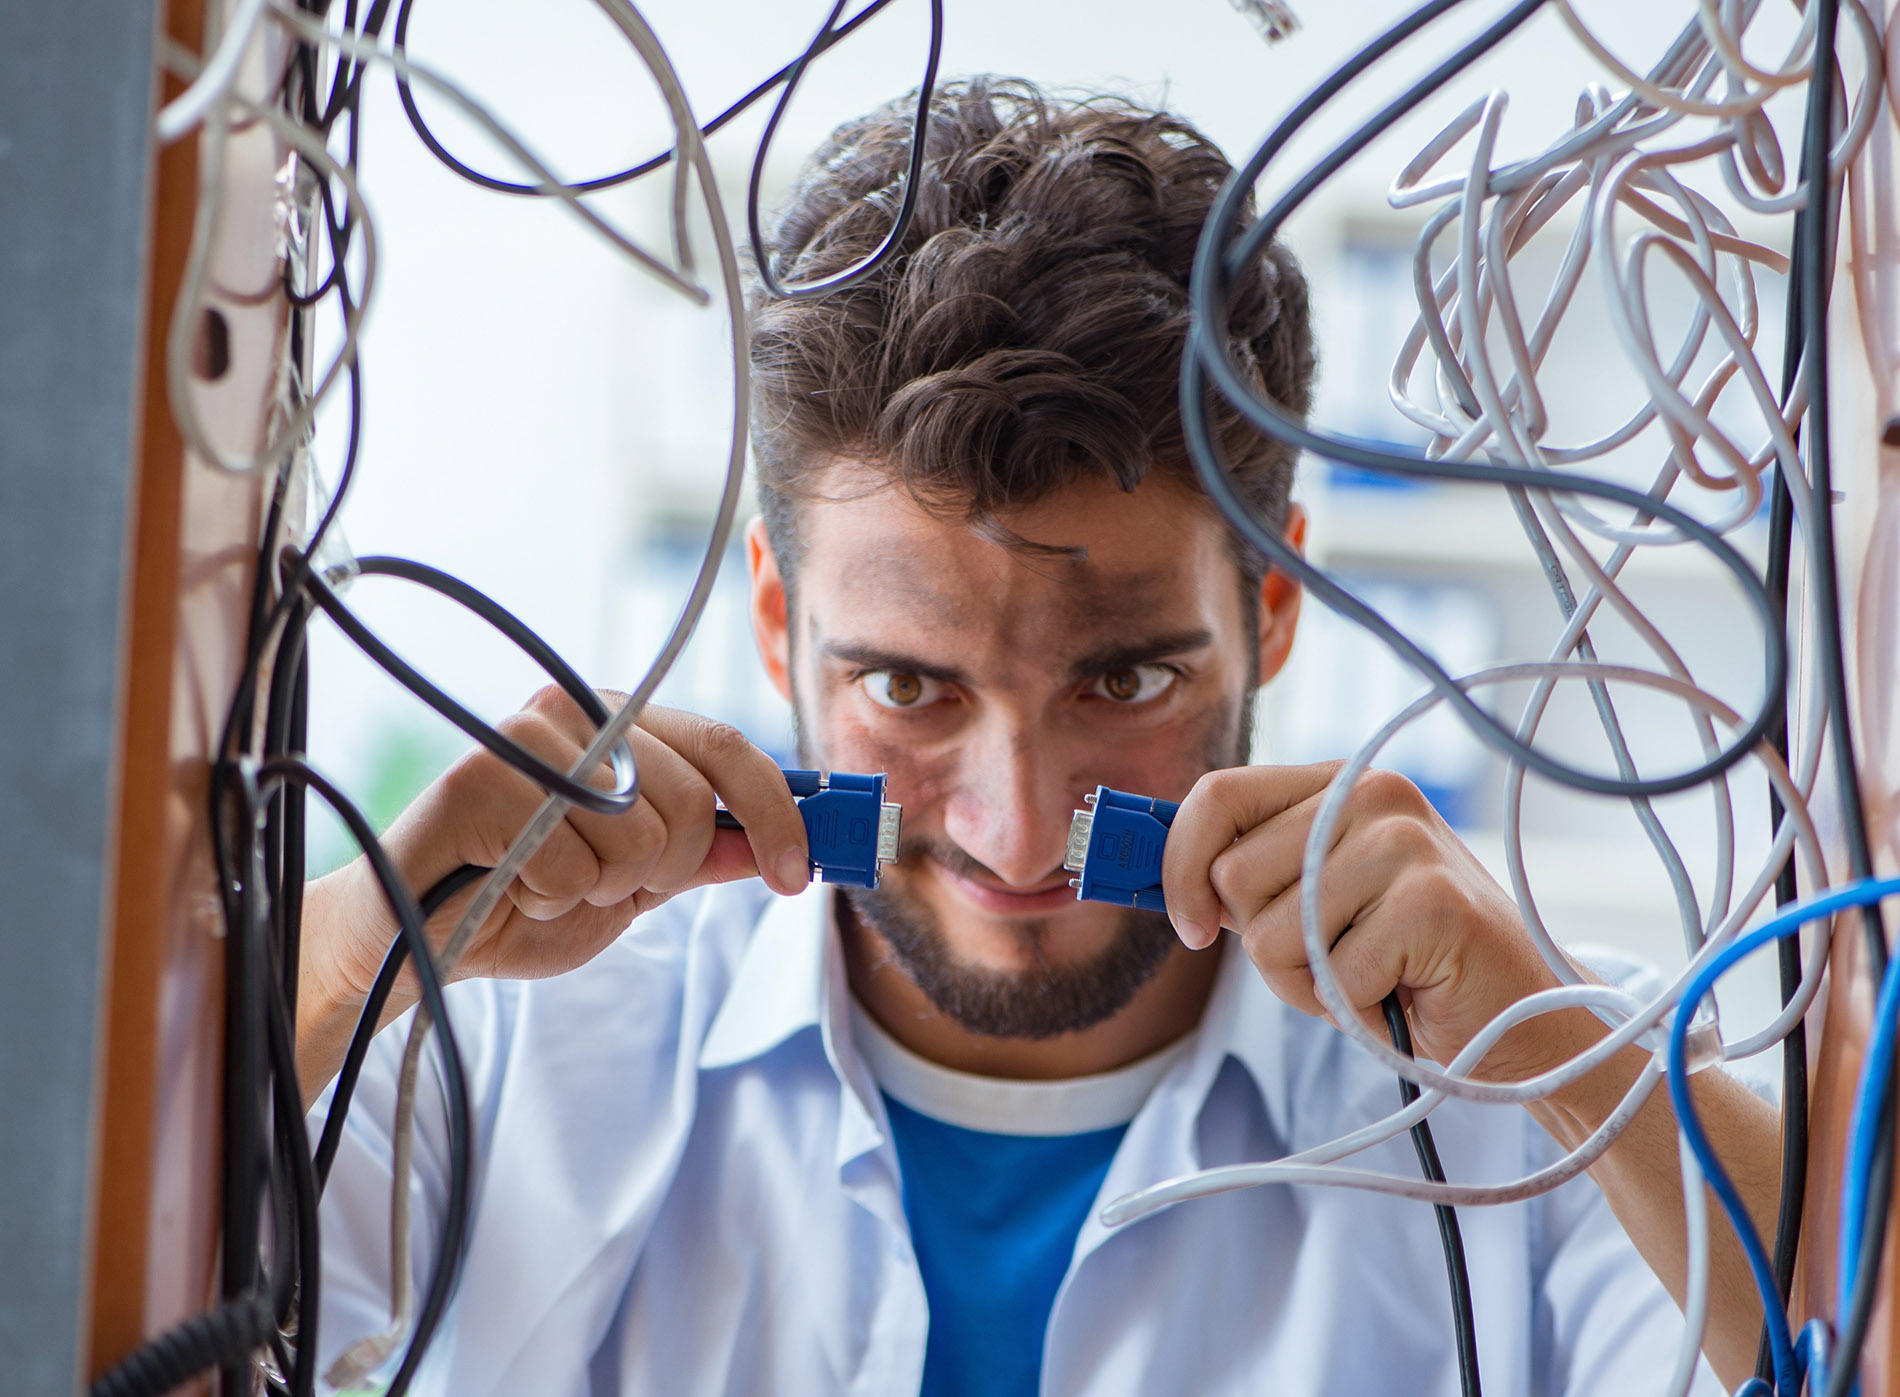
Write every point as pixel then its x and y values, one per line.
pixel 1332 805
pixel 1695 1298
pixel 1228 1178
pixel 364 1357
pixel 183 330
pixel 214 81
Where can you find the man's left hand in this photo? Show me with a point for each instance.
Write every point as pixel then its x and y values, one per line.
pixel 1404 905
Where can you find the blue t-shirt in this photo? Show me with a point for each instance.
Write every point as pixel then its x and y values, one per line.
pixel 994 1220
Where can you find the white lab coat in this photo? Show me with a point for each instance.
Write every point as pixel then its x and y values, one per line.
pixel 686 1187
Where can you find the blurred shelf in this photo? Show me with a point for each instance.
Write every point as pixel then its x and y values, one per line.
pixel 1462 528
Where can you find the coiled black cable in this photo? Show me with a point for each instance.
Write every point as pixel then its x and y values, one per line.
pixel 181 1353
pixel 452 1237
pixel 556 782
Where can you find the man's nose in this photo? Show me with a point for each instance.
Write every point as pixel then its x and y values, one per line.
pixel 1012 806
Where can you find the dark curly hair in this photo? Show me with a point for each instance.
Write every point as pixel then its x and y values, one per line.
pixel 1029 331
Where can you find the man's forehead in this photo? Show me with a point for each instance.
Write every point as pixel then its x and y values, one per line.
pixel 1149 560
pixel 1086 591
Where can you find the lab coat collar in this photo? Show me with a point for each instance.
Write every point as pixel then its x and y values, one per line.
pixel 782 983
pixel 1243 1020
pixel 1246 1021
pixel 792 978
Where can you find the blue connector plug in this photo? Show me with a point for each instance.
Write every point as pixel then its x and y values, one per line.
pixel 1115 845
pixel 853 831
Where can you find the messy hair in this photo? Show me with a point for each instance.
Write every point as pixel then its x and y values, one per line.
pixel 1028 333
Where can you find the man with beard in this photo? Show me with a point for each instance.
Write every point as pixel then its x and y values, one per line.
pixel 737 1134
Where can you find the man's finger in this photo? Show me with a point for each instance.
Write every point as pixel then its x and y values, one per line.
pixel 751 785
pixel 1223 806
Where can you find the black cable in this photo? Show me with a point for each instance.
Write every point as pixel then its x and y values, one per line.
pixel 913 175
pixel 1814 270
pixel 453 1234
pixel 1208 355
pixel 304 1241
pixel 182 1352
pixel 285 728
pixel 1449 1237
pixel 370 1020
pixel 551 779
pixel 646 167
pixel 243 1161
pixel 1794 1047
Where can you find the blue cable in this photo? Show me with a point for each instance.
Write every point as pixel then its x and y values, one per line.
pixel 1880 1050
pixel 1810 1351
pixel 1870 1096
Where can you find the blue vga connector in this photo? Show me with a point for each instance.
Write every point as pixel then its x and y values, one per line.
pixel 1115 846
pixel 853 831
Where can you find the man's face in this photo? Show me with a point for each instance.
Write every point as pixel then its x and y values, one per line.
pixel 997 687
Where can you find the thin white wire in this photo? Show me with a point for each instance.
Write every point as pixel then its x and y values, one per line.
pixel 1229 1178
pixel 1695 1298
pixel 369 1353
pixel 214 81
pixel 1639 1021
pixel 188 309
pixel 1673 100
pixel 1332 805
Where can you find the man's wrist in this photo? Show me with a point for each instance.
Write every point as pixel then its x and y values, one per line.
pixel 336 970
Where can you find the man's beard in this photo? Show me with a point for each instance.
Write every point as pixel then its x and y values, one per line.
pixel 1040 1003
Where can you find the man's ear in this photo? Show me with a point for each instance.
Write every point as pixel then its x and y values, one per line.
pixel 771 609
pixel 1280 603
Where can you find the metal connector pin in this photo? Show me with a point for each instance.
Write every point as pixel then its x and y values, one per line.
pixel 1077 852
pixel 890 824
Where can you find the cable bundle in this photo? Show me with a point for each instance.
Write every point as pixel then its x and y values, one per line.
pixel 1621 161
pixel 267 1324
pixel 1620 166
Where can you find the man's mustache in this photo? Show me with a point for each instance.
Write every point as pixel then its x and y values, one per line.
pixel 952 857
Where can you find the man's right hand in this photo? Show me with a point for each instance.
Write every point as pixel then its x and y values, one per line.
pixel 592 877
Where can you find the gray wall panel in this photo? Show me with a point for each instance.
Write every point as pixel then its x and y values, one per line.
pixel 75 103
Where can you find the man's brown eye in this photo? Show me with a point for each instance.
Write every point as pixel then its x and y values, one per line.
pixel 1134 684
pixel 897 688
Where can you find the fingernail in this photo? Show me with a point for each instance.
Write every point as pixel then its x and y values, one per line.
pixel 794 871
pixel 1190 932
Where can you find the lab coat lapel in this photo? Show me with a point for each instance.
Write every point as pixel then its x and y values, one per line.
pixel 541 1284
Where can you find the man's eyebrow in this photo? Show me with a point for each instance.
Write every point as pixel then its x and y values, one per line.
pixel 871 657
pixel 1123 654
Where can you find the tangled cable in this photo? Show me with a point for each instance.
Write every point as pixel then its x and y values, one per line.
pixel 1467 374
pixel 318 56
pixel 1478 357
